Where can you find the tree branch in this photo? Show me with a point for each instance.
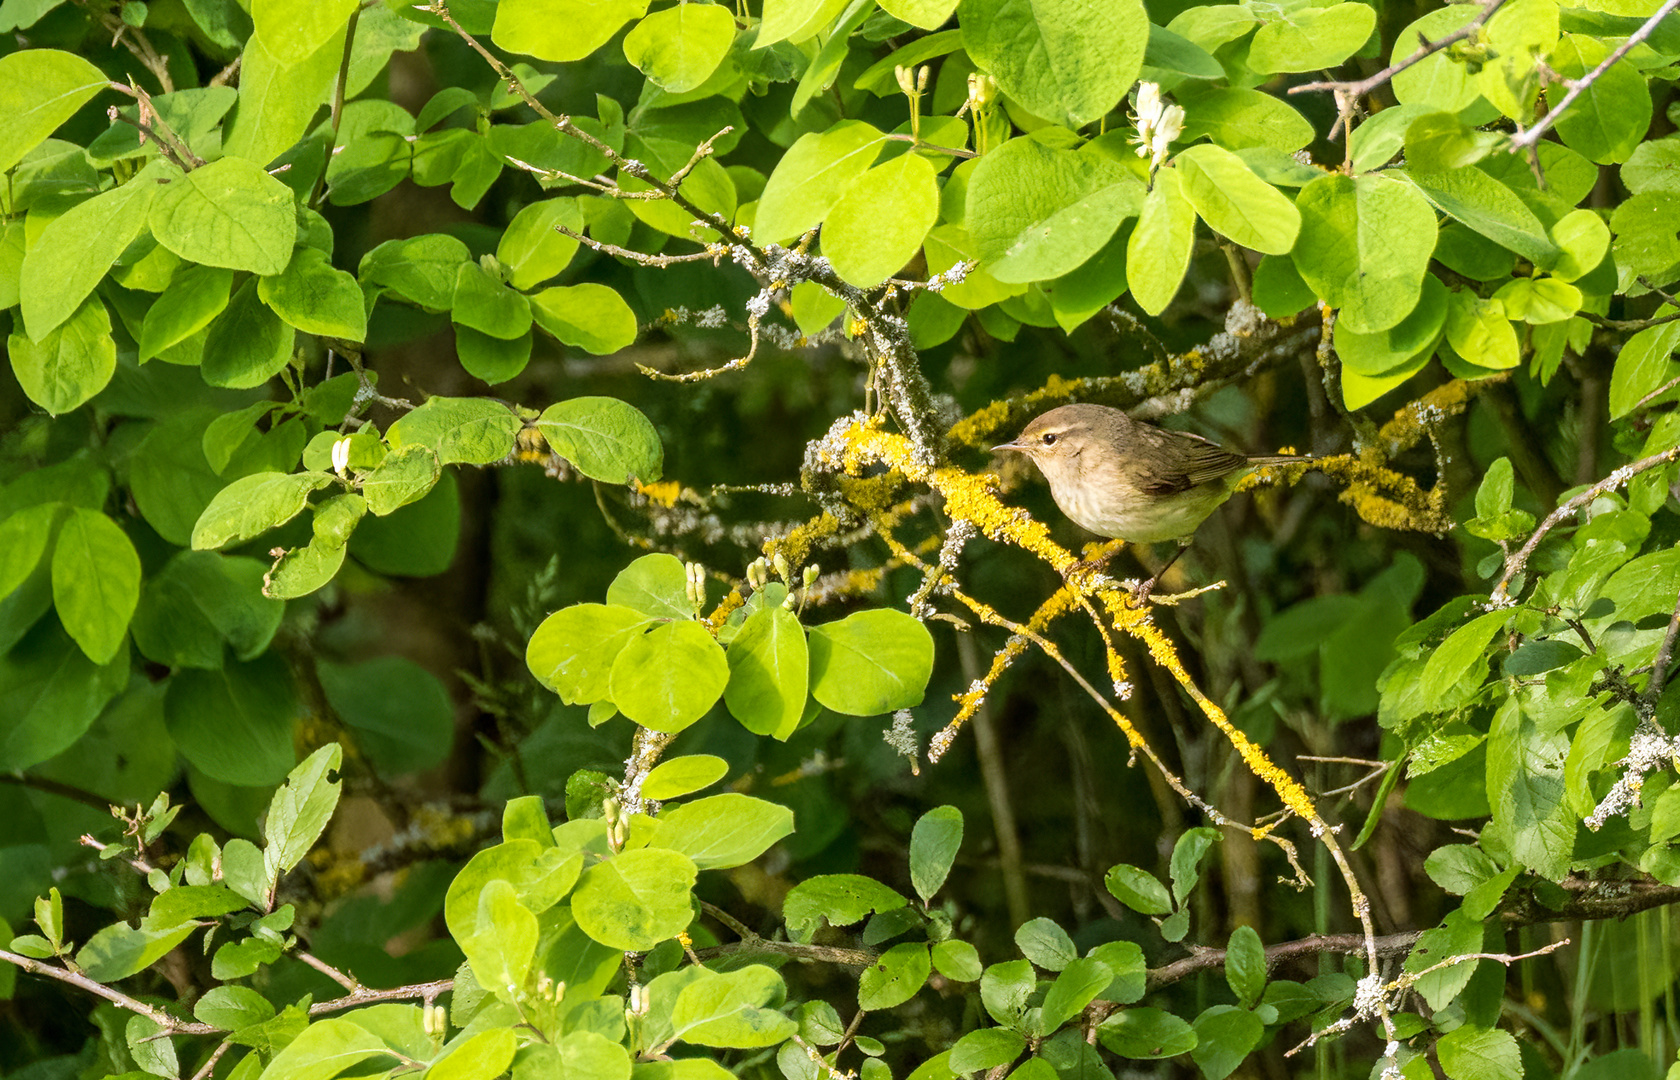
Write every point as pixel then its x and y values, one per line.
pixel 1526 139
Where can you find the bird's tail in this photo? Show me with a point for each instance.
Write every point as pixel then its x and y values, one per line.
pixel 1279 459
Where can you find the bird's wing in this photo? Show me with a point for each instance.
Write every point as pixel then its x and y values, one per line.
pixel 1194 460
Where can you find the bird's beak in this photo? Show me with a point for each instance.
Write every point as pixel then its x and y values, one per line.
pixel 1010 446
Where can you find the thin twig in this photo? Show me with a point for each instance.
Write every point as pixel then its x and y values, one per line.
pixel 1665 657
pixel 1532 135
pixel 337 114
pixel 706 373
pixel 636 256
pixel 209 1065
pixel 1616 479
pixel 1425 49
pixel 920 145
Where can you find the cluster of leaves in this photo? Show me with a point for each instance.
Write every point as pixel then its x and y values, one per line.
pixel 176 275
pixel 646 654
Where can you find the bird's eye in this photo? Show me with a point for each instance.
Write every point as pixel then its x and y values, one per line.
pixel 1050 438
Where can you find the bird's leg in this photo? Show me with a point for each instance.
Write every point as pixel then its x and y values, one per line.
pixel 1093 564
pixel 1140 592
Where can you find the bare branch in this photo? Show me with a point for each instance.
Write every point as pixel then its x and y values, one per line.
pixel 1515 564
pixel 1354 90
pixel 1528 138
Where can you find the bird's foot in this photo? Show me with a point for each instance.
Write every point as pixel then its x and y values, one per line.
pixel 1140 591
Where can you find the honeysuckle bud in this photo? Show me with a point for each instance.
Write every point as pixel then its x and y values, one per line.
pixel 1158 124
pixel 341 455
pixel 982 89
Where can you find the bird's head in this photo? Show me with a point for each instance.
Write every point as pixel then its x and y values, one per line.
pixel 1057 440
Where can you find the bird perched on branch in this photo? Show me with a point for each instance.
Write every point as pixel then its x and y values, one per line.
pixel 1132 481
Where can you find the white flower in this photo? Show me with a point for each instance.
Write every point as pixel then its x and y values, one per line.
pixel 341 455
pixel 1158 124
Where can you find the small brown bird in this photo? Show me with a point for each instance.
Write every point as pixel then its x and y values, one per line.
pixel 1132 481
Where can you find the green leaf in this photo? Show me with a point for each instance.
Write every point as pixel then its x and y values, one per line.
pixel 735 1009
pixel 1490 208
pixel 477 1057
pixel 232 1007
pixel 795 20
pixel 1583 239
pixel 561 30
pixel 1364 247
pixel 1138 889
pixel 503 943
pixel 1225 1035
pixel 227 213
pixel 196 295
pixel 294 31
pixel 531 250
pixel 1493 497
pixel 23 540
pixel 680 47
pixel 1525 780
pixel 957 960
pixel 1462 652
pixel 300 809
pixel 1036 212
pixel 1235 202
pixel 1069 61
pixel 39 90
pixel 1645 363
pixel 248 343
pixel 1146 1034
pixel 573 651
pixel 636 899
pixel 870 662
pixel 302 571
pixel 471 431
pixel 880 221
pixel 316 298
pixel 323 1050
pixel 1480 333
pixel 811 176
pixel 400 714
pixel 252 505
pixel 50 693
pixel 1045 944
pixel 655 585
pixel 1158 251
pixel 404 476
pixel 1477 1053
pixel 1076 987
pixel 679 776
pixel 669 677
pixel 1309 38
pixel 539 874
pixel 1238 118
pixel 1006 989
pixel 484 304
pixel 76 249
pixel 604 438
pixel 895 976
pixel 769 673
pixel 119 950
pixel 421 269
pixel 925 14
pixel 1441 80
pixel 1609 119
pixel 986 1048
pixel 235 724
pixel 934 842
pixel 1245 966
pixel 96 582
pixel 69 365
pixel 722 831
pixel 1415 335
pixel 842 899
pixel 589 316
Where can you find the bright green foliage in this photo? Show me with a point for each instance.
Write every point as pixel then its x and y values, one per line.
pixel 306 302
